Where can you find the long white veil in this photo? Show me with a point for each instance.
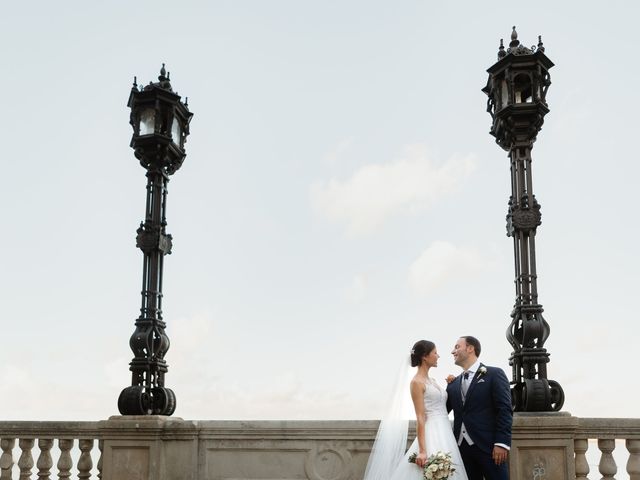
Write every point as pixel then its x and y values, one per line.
pixel 391 440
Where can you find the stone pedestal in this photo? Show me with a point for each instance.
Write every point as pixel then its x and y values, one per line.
pixel 542 446
pixel 149 448
pixel 285 450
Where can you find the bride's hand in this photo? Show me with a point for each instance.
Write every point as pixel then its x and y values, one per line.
pixel 421 459
pixel 450 378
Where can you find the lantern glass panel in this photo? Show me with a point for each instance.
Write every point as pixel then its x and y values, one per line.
pixel 176 131
pixel 522 86
pixel 147 122
pixel 504 91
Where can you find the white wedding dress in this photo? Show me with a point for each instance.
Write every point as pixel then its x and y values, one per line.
pixel 438 436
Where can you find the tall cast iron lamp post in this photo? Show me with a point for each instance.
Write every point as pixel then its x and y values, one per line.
pixel 160 122
pixel 517 89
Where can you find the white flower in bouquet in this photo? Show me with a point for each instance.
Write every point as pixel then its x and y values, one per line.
pixel 439 466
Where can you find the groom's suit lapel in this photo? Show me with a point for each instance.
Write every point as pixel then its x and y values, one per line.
pixel 458 390
pixel 474 382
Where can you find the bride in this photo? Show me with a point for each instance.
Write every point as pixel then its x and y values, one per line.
pixel 433 428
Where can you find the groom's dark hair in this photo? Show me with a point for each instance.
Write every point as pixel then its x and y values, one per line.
pixel 474 342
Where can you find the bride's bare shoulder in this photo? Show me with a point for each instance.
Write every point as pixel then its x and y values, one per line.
pixel 417 382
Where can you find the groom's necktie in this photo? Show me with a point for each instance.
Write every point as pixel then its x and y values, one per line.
pixel 465 385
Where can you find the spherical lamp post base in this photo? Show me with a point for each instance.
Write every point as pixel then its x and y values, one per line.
pixel 135 400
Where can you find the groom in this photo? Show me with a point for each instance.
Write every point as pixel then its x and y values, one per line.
pixel 481 402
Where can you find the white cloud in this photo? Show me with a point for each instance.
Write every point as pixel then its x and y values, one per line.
pixel 442 262
pixel 13 377
pixel 357 290
pixel 286 396
pixel 30 393
pixel 376 192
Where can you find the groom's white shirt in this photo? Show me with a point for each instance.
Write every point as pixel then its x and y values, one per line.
pixel 464 435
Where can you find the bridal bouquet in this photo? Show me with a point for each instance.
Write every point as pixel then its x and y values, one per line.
pixel 438 467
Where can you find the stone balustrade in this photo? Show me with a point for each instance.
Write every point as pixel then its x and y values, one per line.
pixel 26 445
pixel 604 432
pixel 546 447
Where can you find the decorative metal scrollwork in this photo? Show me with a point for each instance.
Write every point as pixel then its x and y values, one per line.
pixel 518 83
pixel 160 124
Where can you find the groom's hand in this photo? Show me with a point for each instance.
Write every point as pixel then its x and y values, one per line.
pixel 499 455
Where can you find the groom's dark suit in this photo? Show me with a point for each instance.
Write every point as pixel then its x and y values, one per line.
pixel 486 414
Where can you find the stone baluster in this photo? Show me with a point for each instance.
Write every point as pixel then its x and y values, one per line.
pixel 607 465
pixel 25 462
pixel 44 462
pixel 65 462
pixel 580 446
pixel 633 464
pixel 84 462
pixel 6 460
pixel 100 447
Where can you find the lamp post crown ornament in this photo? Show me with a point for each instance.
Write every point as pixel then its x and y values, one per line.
pixel 163 82
pixel 516 48
pixel 501 52
pixel 514 38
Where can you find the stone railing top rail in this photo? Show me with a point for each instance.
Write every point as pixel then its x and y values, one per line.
pixel 560 423
pixel 289 429
pixel 628 428
pixel 312 429
pixel 143 425
pixel 49 429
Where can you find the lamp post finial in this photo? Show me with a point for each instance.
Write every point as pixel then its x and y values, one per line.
pixel 514 38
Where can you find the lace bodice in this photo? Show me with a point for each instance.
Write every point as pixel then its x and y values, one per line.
pixel 435 400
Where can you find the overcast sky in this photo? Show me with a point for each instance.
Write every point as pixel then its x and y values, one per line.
pixel 341 198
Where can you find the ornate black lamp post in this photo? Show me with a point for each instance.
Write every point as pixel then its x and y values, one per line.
pixel 517 88
pixel 160 124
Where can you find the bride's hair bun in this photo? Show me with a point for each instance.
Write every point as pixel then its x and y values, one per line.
pixel 419 350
